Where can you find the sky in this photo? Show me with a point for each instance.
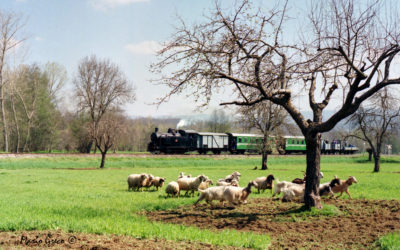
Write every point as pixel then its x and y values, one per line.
pixel 127 32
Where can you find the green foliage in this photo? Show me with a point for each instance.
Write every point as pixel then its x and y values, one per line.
pixel 32 111
pixel 389 242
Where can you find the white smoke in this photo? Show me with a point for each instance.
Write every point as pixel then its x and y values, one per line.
pixel 181 123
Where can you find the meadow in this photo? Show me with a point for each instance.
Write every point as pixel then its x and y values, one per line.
pixel 71 194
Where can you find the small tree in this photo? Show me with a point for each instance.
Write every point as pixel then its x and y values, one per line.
pixel 267 118
pixel 100 87
pixel 104 133
pixel 375 121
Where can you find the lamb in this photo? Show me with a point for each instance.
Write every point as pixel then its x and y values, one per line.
pixel 302 181
pixel 224 183
pixel 148 182
pixel 344 185
pixel 238 195
pixel 234 176
pixel 172 189
pixel 293 191
pixel 190 184
pixel 281 186
pixel 326 188
pixel 205 184
pixel 137 181
pixel 299 181
pixel 182 174
pixel 265 182
pixel 158 182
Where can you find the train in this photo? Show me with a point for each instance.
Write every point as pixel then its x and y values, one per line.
pixel 184 141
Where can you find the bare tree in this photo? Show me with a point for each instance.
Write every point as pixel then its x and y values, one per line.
pixel 348 54
pixel 100 87
pixel 11 26
pixel 105 132
pixel 375 121
pixel 267 118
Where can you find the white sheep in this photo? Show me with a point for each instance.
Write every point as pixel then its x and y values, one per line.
pixel 279 186
pixel 205 184
pixel 224 183
pixel 172 189
pixel 211 193
pixel 158 182
pixel 265 182
pixel 238 195
pixel 190 184
pixel 182 174
pixel 293 191
pixel 231 194
pixel 137 181
pixel 234 176
pixel 148 182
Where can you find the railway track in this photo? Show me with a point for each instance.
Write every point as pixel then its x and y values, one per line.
pixel 146 155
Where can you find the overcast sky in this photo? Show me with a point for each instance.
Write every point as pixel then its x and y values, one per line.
pixel 125 31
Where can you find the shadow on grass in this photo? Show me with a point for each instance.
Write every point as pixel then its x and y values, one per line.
pixel 327 210
pixel 383 160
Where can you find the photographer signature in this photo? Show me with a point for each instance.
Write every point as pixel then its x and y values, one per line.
pixel 46 240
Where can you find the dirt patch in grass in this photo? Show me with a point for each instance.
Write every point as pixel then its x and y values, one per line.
pixel 61 240
pixel 357 224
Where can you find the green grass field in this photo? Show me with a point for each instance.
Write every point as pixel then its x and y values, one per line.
pixel 52 193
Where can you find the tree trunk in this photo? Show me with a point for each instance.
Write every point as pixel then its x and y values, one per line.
pixel 311 196
pixel 264 153
pixel 103 159
pixel 377 159
pixel 369 150
pixel 16 125
pixel 3 119
pixel 264 160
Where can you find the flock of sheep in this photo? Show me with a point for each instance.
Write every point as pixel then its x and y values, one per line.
pixel 227 189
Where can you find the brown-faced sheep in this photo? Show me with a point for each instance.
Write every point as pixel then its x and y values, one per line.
pixel 158 182
pixel 344 185
pixel 326 188
pixel 265 182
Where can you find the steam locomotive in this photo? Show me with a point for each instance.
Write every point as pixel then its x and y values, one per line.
pixel 182 141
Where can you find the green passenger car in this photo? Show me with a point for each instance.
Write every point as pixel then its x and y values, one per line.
pixel 292 144
pixel 241 143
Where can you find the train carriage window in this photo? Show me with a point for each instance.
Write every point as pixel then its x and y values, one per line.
pixel 245 139
pixel 298 142
pixel 240 139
